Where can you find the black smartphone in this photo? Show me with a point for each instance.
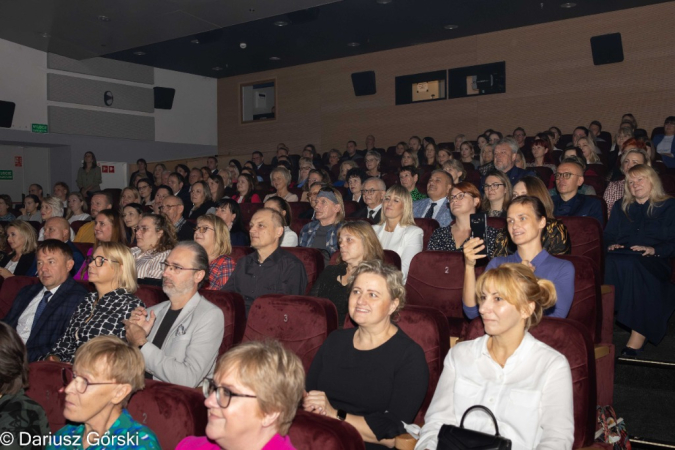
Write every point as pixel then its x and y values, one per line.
pixel 478 222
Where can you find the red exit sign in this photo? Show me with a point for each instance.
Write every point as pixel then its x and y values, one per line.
pixel 18 161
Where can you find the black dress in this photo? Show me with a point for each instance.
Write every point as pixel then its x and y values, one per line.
pixel 23 265
pixel 385 385
pixel 328 286
pixel 645 297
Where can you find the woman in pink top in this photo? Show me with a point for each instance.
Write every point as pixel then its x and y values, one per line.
pixel 251 399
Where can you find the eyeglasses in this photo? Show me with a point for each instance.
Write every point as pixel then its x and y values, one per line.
pixel 565 175
pixel 493 186
pixel 203 229
pixel 99 260
pixel 145 186
pixel 370 191
pixel 81 384
pixel 168 206
pixel 223 394
pixel 459 197
pixel 174 268
pixel 142 229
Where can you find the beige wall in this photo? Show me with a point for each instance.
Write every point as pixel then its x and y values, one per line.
pixel 550 80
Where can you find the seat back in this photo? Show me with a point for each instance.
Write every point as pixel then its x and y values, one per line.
pixel 10 288
pixel 498 223
pixel 83 247
pixel 572 340
pixel 390 257
pixel 543 173
pixel 429 329
pixel 239 252
pixel 436 279
pixel 311 431
pixel 312 259
pixel 301 323
pixel 587 302
pixel 234 312
pixel 586 239
pixel 77 224
pixel 247 211
pixel 151 295
pixel 172 412
pixel 428 227
pixel 298 208
pixel 298 224
pixel 350 208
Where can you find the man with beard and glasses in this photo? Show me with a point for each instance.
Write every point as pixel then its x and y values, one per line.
pixel 179 338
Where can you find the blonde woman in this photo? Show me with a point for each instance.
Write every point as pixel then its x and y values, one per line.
pixel 77 208
pixel 22 242
pixel 51 207
pixel 212 233
pixel 281 179
pixel 129 195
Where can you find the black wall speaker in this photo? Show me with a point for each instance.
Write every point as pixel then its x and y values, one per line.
pixel 607 49
pixel 6 114
pixel 364 83
pixel 164 97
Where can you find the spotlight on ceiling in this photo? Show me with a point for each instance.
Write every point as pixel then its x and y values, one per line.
pixel 194 41
pixel 280 23
pixel 103 18
pixel 450 27
pixel 568 5
pixel 382 2
pixel 353 44
pixel 45 35
pixel 139 53
pixel 217 69
pixel 275 58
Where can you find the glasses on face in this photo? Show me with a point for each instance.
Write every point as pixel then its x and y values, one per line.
pixel 171 268
pixel 203 229
pixel 459 197
pixel 370 191
pixel 223 394
pixel 493 186
pixel 143 229
pixel 81 384
pixel 564 175
pixel 99 260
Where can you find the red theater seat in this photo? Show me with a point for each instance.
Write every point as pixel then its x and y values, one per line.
pixel 586 305
pixel 299 322
pixel 298 208
pixel 311 431
pixel 10 287
pixel 151 295
pixel 298 224
pixel 497 222
pixel 390 257
pixel 76 225
pixel 571 339
pixel 172 412
pixel 239 252
pixel 234 311
pixel 83 247
pixel 312 259
pixel 428 226
pixel 428 328
pixel 436 279
pixel 247 211
pixel 350 208
pixel 586 238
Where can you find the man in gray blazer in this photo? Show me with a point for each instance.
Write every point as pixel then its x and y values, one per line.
pixel 180 338
pixel 436 206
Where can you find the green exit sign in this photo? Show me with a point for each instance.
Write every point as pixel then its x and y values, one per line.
pixel 6 174
pixel 40 128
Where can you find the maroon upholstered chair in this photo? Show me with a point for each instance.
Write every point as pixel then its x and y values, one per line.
pixel 311 431
pixel 586 238
pixel 436 279
pixel 312 259
pixel 240 252
pixel 172 412
pixel 151 295
pixel 247 211
pixel 390 179
pixel 597 181
pixel 350 208
pixel 543 173
pixel 76 225
pixel 36 225
pixel 428 226
pixel 429 329
pixel 10 287
pixel 390 257
pixel 572 340
pixel 298 208
pixel 234 311
pixel 297 225
pixel 497 222
pixel 83 247
pixel 586 307
pixel 301 323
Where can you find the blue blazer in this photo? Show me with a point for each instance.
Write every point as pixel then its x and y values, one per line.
pixel 444 217
pixel 53 321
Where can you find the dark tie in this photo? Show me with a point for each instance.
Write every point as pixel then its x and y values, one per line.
pixel 371 214
pixel 430 213
pixel 41 307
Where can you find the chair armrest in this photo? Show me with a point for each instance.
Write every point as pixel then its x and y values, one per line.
pixel 601 351
pixel 607 311
pixel 405 442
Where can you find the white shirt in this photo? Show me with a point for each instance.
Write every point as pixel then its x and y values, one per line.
pixel 531 396
pixel 290 238
pixel 11 265
pixel 440 203
pixel 83 216
pixel 406 241
pixel 375 211
pixel 665 145
pixel 25 322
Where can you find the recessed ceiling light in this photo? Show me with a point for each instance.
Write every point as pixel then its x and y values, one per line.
pixel 217 69
pixel 275 58
pixel 195 41
pixel 139 53
pixel 45 35
pixel 383 2
pixel 568 5
pixel 280 23
pixel 353 44
pixel 103 18
pixel 450 27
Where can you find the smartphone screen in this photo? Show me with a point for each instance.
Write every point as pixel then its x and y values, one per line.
pixel 478 221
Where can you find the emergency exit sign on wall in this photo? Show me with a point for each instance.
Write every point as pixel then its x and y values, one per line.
pixel 40 128
pixel 6 174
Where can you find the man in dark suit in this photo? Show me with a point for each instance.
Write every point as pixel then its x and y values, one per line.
pixel 177 184
pixel 41 312
pixel 373 195
pixel 58 228
pixel 261 168
pixel 212 164
pixel 172 208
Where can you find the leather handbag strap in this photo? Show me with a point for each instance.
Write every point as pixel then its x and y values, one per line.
pixel 484 408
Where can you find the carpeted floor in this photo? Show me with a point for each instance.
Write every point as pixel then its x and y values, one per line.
pixel 645 395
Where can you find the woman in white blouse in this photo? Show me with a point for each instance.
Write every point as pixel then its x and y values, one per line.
pixel 281 179
pixel 155 237
pixel 524 382
pixel 396 230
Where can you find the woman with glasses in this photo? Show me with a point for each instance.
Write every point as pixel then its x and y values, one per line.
pixel 108 227
pixel 211 233
pixel 155 238
pixel 200 195
pixel 498 194
pixel 112 270
pixel 145 187
pixel 18 412
pixel 106 373
pixel 306 165
pixel 526 221
pixel 464 200
pixel 397 230
pixel 373 160
pixel 229 210
pixel 554 237
pixel 251 400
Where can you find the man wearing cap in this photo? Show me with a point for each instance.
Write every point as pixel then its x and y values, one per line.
pixel 322 232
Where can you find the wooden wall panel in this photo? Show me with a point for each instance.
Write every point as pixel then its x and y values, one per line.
pixel 551 80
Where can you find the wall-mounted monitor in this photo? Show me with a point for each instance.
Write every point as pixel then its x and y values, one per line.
pixel 421 87
pixel 477 80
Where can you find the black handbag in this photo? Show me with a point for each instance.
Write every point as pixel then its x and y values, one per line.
pixel 452 437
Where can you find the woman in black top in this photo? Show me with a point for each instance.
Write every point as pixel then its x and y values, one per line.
pixel 358 243
pixel 229 210
pixel 22 242
pixel 374 377
pixel 201 199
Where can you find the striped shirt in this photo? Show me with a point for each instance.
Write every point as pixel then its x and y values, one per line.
pixel 149 264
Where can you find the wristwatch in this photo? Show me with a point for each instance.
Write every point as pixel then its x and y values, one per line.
pixel 341 414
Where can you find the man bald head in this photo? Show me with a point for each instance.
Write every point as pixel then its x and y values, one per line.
pixel 57 228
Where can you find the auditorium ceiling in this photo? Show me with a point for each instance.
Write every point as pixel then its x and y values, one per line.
pixel 222 38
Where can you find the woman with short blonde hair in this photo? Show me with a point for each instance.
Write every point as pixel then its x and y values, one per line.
pixel 280 178
pixel 213 235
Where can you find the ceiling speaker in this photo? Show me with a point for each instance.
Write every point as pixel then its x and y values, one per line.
pixel 607 49
pixel 164 97
pixel 364 83
pixel 6 114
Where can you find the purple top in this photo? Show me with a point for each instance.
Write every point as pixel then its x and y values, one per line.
pixel 277 442
pixel 556 270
